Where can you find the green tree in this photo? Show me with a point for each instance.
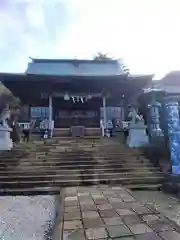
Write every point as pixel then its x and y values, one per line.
pixel 104 57
pixel 7 98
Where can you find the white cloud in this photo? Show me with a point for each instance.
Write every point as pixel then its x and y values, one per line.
pixel 143 32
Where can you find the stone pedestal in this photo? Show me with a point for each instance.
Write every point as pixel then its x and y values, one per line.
pixel 78 131
pixel 137 136
pixel 5 140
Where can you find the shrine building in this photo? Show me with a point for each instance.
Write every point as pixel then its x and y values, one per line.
pixel 68 93
pixel 75 92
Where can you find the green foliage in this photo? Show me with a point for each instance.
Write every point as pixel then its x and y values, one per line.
pixel 104 57
pixel 6 97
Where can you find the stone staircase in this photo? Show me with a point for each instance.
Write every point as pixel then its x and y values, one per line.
pixel 65 132
pixel 38 168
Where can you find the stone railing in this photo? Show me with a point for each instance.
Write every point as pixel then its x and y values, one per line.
pixel 24 125
pixel 45 124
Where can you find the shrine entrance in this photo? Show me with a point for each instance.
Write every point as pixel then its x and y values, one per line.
pixel 67 113
pixel 50 86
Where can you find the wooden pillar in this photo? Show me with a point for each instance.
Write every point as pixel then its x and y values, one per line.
pixel 104 111
pixel 50 113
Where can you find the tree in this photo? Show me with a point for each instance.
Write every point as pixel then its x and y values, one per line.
pixel 124 67
pixel 104 57
pixel 7 98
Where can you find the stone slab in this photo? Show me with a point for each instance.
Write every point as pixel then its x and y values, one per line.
pixel 90 214
pixel 161 226
pixel 92 223
pixel 118 231
pixel 94 215
pixel 96 233
pixel 113 221
pixel 130 219
pixel 148 236
pixel 170 235
pixel 72 216
pixel 139 228
pixel 125 212
pixel 108 213
pixel 70 225
pixel 75 235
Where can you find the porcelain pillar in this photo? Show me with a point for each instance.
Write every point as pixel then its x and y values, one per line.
pixel 172 110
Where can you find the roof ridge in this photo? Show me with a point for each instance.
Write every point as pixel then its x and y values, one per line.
pixel 73 60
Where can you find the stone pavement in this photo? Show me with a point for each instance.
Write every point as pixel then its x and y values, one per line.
pixel 107 212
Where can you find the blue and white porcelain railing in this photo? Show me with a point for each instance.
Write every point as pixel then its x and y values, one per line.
pixel 172 109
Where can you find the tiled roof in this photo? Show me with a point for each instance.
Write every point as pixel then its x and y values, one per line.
pixel 74 67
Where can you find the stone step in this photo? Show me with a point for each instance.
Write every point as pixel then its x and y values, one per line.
pixel 67 131
pixel 146 187
pixel 39 167
pixel 89 154
pixel 71 151
pixel 66 135
pixel 51 147
pixel 83 174
pixel 58 139
pixel 77 161
pixel 74 171
pixel 64 156
pixel 60 182
pixel 30 191
pixel 52 166
pixel 85 154
pixel 74 164
pixel 79 150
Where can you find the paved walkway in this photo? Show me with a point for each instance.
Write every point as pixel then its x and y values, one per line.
pixel 104 212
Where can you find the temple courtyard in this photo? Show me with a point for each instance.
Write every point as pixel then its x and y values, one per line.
pixel 114 212
pixel 90 123
pixel 94 212
pixel 95 189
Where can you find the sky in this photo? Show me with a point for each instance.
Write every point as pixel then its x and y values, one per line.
pixel 144 33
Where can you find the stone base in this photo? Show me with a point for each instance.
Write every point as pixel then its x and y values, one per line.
pixel 171 184
pixel 137 138
pixel 5 140
pixel 78 131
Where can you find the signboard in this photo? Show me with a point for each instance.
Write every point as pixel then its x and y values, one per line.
pixel 39 112
pixel 112 113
